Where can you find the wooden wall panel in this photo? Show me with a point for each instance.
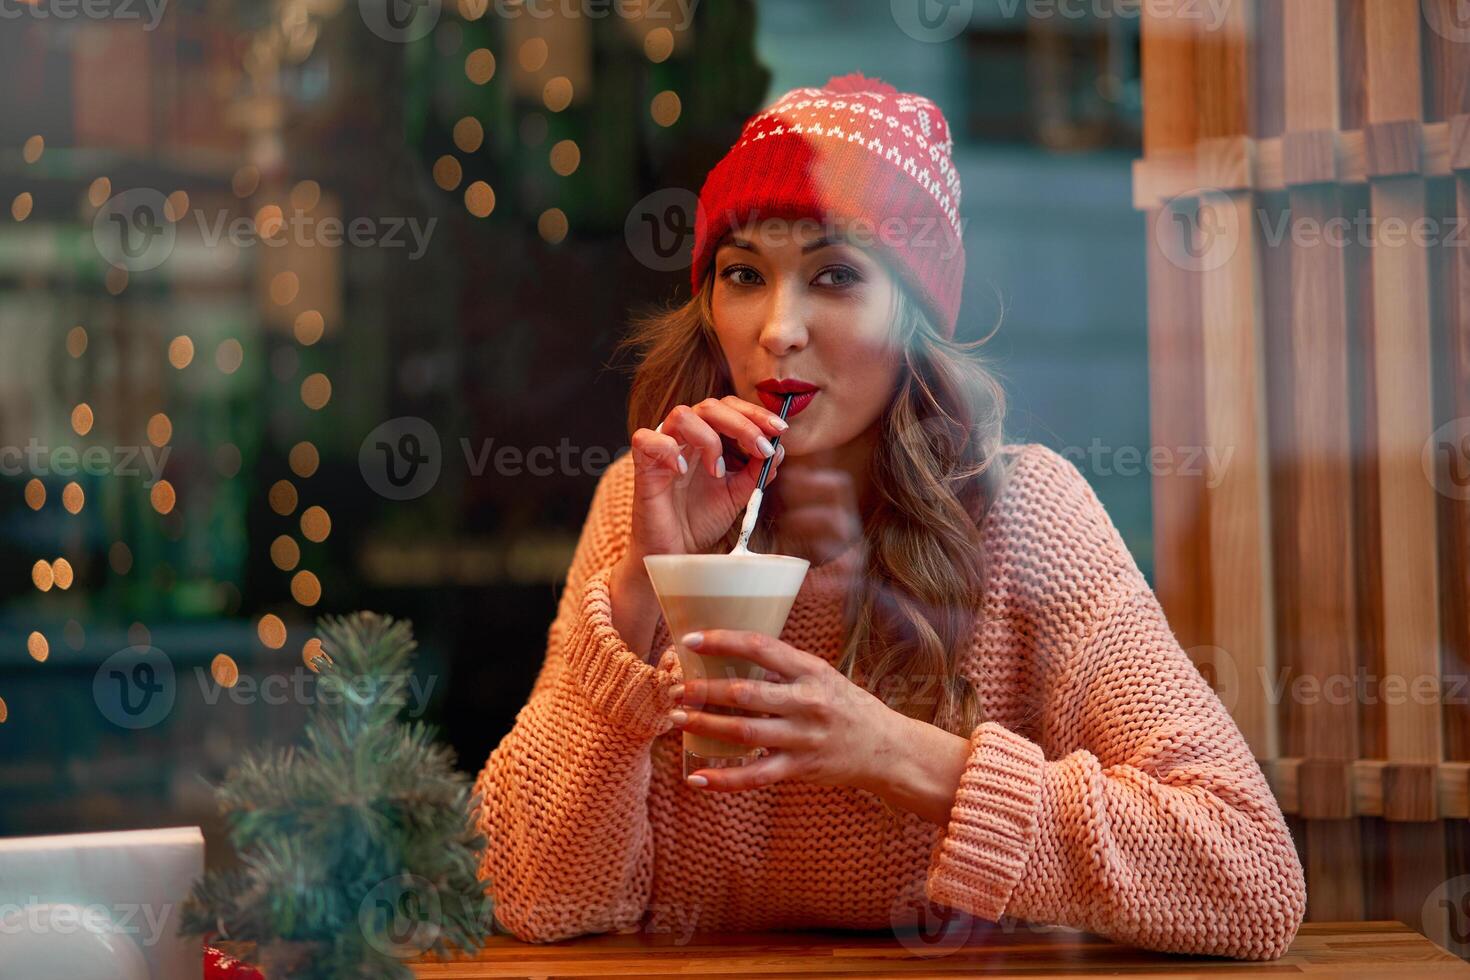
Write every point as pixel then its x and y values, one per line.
pixel 1324 365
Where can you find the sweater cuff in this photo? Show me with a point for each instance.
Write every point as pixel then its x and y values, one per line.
pixel 631 694
pixel 980 856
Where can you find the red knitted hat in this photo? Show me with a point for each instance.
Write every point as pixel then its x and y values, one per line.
pixel 857 154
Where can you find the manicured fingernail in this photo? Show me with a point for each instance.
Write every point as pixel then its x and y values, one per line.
pixel 683 464
pixel 720 467
pixel 676 692
pixel 780 452
pixel 693 640
pixel 764 445
pixel 781 424
pixel 697 780
pixel 678 716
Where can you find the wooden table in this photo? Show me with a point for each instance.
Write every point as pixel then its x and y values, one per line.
pixel 1361 949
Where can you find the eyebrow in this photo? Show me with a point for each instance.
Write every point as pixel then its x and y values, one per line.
pixel 805 249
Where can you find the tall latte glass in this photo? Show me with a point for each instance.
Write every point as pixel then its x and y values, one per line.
pixel 741 592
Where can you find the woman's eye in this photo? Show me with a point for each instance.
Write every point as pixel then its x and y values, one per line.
pixel 846 275
pixel 734 271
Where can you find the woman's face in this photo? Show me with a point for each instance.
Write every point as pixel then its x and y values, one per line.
pixel 794 311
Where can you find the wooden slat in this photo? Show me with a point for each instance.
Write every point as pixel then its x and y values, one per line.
pixel 1234 390
pixel 1168 56
pixel 1312 101
pixel 1175 371
pixel 1406 518
pixel 1159 178
pixel 1451 454
pixel 1317 580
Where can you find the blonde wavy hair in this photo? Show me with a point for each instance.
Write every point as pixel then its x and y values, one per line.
pixel 937 469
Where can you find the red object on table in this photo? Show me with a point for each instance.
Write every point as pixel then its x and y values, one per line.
pixel 219 966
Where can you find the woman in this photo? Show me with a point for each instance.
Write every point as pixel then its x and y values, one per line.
pixel 977 700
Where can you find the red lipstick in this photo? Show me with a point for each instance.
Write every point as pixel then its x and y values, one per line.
pixel 772 392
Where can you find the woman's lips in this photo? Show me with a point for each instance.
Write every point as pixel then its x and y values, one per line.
pixel 774 400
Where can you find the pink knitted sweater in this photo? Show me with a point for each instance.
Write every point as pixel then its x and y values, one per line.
pixel 1108 790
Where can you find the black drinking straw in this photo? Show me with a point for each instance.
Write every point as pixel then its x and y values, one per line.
pixel 760 483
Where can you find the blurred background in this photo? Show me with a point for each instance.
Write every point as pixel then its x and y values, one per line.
pixel 311 306
pixel 348 229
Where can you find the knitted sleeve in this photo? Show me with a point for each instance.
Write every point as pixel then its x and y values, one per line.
pixel 563 797
pixel 1141 814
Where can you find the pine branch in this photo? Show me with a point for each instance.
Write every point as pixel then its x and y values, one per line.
pixel 356 839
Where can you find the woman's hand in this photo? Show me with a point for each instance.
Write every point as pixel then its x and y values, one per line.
pixel 826 730
pixel 684 500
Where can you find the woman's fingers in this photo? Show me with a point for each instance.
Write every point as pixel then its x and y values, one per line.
pixel 741 729
pixel 770 421
pixel 736 424
pixel 659 449
pixel 688 426
pixel 767 651
pixel 761 696
pixel 771 769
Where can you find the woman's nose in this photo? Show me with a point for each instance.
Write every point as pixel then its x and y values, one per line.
pixel 785 328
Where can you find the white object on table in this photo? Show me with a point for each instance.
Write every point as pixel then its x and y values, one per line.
pixel 103 906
